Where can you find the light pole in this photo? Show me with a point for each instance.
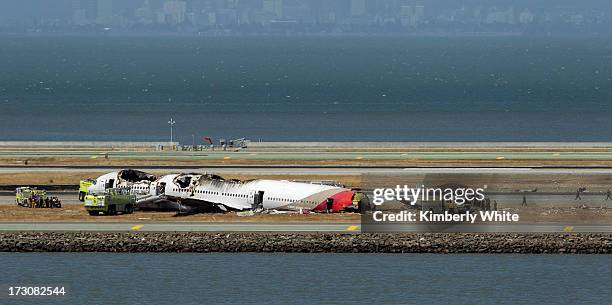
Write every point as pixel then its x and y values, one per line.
pixel 171 123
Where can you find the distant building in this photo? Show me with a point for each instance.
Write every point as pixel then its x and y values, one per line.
pixel 191 18
pixel 84 12
pixel 104 12
pixel 174 11
pixel 328 17
pixel 419 13
pixel 160 17
pixel 358 7
pixel 244 16
pixel 144 14
pixel 274 7
pixel 526 16
pixel 226 17
pixel 411 15
pixel 406 15
pixel 576 19
pixel 211 18
pixel 300 12
pixel 499 16
pixel 79 17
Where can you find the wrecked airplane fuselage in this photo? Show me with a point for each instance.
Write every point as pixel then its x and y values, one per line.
pixel 194 193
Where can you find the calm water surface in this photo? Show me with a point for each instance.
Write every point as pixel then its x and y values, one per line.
pixel 307 88
pixel 106 278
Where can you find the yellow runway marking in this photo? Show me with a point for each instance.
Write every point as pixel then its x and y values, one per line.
pixel 352 228
pixel 358 158
pixel 227 158
pixel 136 228
pixel 500 158
pixel 568 229
pixel 556 155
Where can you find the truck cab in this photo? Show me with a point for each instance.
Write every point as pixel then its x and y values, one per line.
pixel 84 186
pixel 112 202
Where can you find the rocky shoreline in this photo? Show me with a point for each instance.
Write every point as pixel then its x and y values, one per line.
pixel 307 242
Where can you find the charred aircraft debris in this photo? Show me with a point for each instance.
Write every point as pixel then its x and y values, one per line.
pixel 190 193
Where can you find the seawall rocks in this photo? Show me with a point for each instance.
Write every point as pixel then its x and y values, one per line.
pixel 307 242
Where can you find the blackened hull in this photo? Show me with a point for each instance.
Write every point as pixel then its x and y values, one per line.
pixel 193 206
pixel 158 204
pixel 132 175
pixel 182 207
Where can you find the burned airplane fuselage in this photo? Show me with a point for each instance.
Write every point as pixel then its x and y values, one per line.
pixel 194 192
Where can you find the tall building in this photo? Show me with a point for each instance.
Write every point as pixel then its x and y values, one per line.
pixel 274 7
pixel 226 17
pixel 500 16
pixel 526 16
pixel 358 7
pixel 298 11
pixel 419 13
pixel 411 15
pixel 174 11
pixel 84 12
pixel 104 14
pixel 144 14
pixel 406 15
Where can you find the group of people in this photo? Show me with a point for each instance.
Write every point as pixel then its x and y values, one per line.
pixel 579 192
pixel 485 204
pixel 47 202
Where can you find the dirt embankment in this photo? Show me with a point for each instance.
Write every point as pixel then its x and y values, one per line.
pixel 46 178
pixel 495 182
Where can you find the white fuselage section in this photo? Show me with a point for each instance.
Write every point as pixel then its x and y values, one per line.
pixel 235 195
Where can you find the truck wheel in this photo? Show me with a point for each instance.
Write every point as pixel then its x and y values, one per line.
pixel 112 210
pixel 93 213
pixel 129 209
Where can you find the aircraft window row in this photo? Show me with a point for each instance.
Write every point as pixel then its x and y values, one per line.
pixel 235 195
pixel 290 200
pixel 206 192
pixel 222 194
pixel 244 196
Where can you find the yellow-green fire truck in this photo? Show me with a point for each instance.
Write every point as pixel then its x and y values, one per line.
pixel 114 201
pixel 83 187
pixel 35 198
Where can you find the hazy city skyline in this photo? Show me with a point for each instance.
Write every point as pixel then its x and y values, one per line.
pixel 294 16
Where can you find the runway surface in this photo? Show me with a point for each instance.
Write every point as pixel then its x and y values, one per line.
pixel 311 170
pixel 305 155
pixel 292 227
pixel 178 227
